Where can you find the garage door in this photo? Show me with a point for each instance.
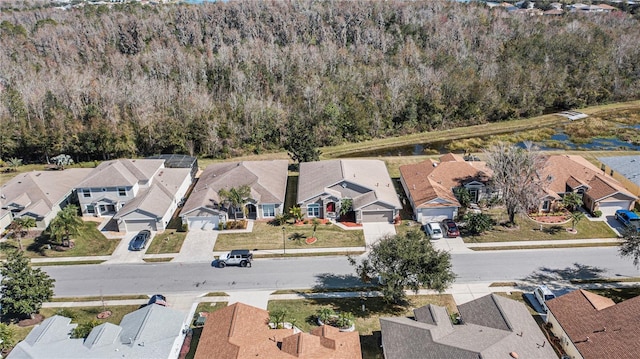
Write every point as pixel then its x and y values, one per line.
pixel 203 223
pixel 377 216
pixel 135 225
pixel 610 208
pixel 436 214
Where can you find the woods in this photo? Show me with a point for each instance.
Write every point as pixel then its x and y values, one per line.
pixel 226 78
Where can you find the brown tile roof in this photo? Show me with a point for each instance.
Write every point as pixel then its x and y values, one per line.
pixel 241 331
pixel 563 170
pixel 430 180
pixel 598 327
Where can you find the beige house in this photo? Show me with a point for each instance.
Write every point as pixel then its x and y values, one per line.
pixel 38 194
pixel 139 194
pixel 323 185
pixel 625 169
pixel 591 326
pixel 268 182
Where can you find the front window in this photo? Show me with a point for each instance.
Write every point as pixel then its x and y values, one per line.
pixel 91 209
pixel 122 192
pixel 546 205
pixel 86 193
pixel 268 210
pixel 313 210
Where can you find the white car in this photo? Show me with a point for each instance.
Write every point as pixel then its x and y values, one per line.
pixel 433 230
pixel 543 294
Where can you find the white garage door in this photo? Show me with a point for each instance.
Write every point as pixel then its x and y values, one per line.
pixel 135 225
pixel 377 216
pixel 610 208
pixel 436 214
pixel 203 223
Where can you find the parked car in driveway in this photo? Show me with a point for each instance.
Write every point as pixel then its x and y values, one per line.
pixel 628 218
pixel 433 230
pixel 139 242
pixel 543 294
pixel 450 228
pixel 158 299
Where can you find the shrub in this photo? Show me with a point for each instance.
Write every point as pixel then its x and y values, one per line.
pixel 324 314
pixel 184 227
pixel 597 213
pixel 478 222
pixel 83 329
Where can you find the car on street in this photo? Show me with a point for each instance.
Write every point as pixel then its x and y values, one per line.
pixel 158 299
pixel 543 294
pixel 433 230
pixel 237 257
pixel 139 242
pixel 450 228
pixel 628 218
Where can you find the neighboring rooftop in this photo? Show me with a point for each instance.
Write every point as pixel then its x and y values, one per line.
pixel 175 160
pixel 597 326
pixel 122 172
pixel 240 331
pixel 494 327
pixel 151 332
pixel 628 166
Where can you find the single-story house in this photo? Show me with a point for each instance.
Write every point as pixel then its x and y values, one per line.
pixel 204 209
pixel 489 327
pixel 591 326
pixel 240 331
pixel 323 185
pixel 430 185
pixel 150 332
pixel 39 194
pixel 139 194
pixel 625 169
pixel 600 191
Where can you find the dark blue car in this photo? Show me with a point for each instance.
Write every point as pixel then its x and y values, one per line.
pixel 628 218
pixel 139 242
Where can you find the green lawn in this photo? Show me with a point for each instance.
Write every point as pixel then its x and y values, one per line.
pixel 88 242
pixel 266 236
pixel 169 241
pixel 529 230
pixel 367 322
pixel 618 294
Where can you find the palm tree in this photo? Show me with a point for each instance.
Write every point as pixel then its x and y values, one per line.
pixel 65 224
pixel 576 217
pixel 572 201
pixel 296 213
pixel 236 197
pixel 20 227
pixel 14 163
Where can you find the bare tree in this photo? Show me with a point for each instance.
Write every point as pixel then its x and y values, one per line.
pixel 517 176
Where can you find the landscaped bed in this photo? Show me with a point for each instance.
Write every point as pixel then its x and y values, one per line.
pixel 266 236
pixel 302 313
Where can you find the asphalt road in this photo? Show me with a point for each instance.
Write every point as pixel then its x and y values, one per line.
pixel 537 266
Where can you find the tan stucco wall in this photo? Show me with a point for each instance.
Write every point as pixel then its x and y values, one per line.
pixel 567 344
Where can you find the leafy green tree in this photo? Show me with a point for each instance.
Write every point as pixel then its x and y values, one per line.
pixel 23 289
pixel 20 227
pixel 301 143
pixel 463 196
pixel 630 245
pixel 346 206
pixel 405 261
pixel 576 217
pixel 65 224
pixel 324 314
pixel 236 197
pixel 7 337
pixel 296 213
pixel 83 329
pixel 572 201
pixel 478 223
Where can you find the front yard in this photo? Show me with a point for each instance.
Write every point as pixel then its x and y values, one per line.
pixel 266 236
pixel 302 314
pixel 528 230
pixel 88 242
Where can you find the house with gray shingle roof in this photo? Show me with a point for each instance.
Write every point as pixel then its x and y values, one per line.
pixel 38 194
pixel 491 327
pixel 323 185
pixel 268 183
pixel 625 169
pixel 150 332
pixel 139 193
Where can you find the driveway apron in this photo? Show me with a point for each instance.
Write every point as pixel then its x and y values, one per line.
pixel 375 231
pixel 122 254
pixel 197 246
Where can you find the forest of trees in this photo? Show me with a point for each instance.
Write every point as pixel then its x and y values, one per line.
pixel 226 78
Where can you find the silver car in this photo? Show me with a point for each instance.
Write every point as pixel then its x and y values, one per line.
pixel 433 230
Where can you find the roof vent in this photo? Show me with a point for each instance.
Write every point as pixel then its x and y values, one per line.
pixel 435 164
pixel 344 185
pixel 513 355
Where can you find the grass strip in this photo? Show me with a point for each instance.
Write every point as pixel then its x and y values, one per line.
pixel 216 294
pixel 97 298
pixel 605 280
pixel 67 263
pixel 155 260
pixel 544 246
pixel 503 284
pixel 326 290
pixel 318 254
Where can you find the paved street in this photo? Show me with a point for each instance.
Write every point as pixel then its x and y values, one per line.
pixel 539 265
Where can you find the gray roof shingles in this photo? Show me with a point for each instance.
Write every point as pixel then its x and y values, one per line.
pixel 628 166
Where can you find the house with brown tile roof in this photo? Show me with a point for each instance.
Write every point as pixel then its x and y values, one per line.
pixel 591 326
pixel 569 173
pixel 138 193
pixel 39 195
pixel 490 327
pixel 430 185
pixel 322 186
pixel 241 331
pixel 204 209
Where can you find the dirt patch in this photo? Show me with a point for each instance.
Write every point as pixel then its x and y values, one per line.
pixel 38 318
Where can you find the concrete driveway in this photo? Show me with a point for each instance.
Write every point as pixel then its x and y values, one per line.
pixel 616 225
pixel 197 246
pixel 122 254
pixel 375 231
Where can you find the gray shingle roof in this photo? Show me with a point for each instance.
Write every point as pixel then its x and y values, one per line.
pixel 628 166
pixel 121 172
pixel 151 332
pixel 493 327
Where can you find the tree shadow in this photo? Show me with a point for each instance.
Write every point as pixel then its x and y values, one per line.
pixel 553 229
pixel 330 280
pixel 553 275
